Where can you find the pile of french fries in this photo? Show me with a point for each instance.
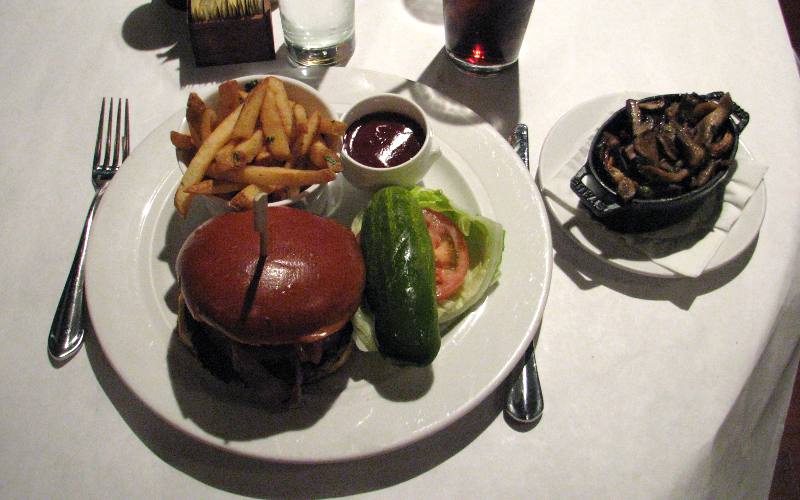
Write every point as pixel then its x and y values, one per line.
pixel 256 141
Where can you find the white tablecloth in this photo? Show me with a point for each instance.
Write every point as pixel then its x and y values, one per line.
pixel 653 388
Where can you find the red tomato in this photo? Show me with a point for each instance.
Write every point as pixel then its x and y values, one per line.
pixel 450 254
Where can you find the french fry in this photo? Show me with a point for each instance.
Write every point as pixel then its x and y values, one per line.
pixel 282 103
pixel 244 199
pixel 329 126
pixel 196 169
pixel 194 116
pixel 229 97
pixel 214 186
pixel 254 142
pixel 208 121
pixel 321 156
pixel 181 141
pixel 300 116
pixel 307 133
pixel 272 126
pixel 246 124
pixel 263 157
pixel 267 177
pixel 246 151
pixel 224 159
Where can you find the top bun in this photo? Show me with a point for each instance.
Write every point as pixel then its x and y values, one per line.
pixel 308 287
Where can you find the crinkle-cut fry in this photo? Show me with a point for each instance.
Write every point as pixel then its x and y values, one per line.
pixel 244 199
pixel 271 124
pixel 208 122
pixel 196 169
pixel 321 156
pixel 307 134
pixel 246 151
pixel 330 126
pixel 195 106
pixel 282 104
pixel 215 186
pixel 246 124
pixel 181 141
pixel 230 97
pixel 267 177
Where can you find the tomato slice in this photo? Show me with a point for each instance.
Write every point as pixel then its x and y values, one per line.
pixel 450 254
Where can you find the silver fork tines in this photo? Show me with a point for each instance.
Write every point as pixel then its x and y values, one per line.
pixel 66 332
pixel 105 169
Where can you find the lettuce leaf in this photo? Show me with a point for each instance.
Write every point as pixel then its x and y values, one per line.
pixel 485 240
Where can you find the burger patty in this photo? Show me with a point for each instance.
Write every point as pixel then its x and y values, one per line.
pixel 293 364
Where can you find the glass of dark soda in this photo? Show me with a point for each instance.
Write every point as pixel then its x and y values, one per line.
pixel 484 36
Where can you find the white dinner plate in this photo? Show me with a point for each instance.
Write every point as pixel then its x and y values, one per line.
pixel 567 137
pixel 369 407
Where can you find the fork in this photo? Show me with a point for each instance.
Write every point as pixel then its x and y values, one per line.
pixel 66 332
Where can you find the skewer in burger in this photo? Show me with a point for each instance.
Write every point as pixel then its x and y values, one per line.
pixel 273 322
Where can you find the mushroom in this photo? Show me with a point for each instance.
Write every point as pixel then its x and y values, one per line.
pixel 708 126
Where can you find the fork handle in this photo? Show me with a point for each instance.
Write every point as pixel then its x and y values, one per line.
pixel 66 332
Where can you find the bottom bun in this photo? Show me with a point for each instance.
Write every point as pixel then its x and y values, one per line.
pixel 274 371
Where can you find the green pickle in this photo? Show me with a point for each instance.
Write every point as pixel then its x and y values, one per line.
pixel 401 284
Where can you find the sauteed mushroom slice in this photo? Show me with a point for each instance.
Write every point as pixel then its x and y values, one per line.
pixel 661 175
pixel 722 146
pixel 625 186
pixel 646 145
pixel 708 126
pixel 639 123
pixel 707 172
pixel 693 153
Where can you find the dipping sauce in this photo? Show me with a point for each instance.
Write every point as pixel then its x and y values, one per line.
pixel 383 139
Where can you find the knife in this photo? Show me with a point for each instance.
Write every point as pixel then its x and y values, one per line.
pixel 525 403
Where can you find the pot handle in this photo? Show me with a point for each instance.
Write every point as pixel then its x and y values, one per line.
pixel 593 202
pixel 740 117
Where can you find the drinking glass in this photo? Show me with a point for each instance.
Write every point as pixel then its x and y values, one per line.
pixel 318 32
pixel 484 36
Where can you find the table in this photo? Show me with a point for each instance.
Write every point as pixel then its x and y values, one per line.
pixel 653 388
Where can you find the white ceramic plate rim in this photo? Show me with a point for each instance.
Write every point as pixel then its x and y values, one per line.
pixel 128 277
pixel 560 145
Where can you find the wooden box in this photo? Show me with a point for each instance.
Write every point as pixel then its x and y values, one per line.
pixel 231 41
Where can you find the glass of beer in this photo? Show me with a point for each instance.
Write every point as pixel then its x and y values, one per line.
pixel 484 36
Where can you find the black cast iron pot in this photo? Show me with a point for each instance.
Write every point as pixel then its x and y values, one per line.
pixel 638 214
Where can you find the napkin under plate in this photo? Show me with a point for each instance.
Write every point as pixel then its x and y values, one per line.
pixel 685 248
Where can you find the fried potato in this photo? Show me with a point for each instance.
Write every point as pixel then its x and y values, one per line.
pixel 246 124
pixel 254 143
pixel 245 198
pixel 196 169
pixel 272 125
pixel 267 177
pixel 195 106
pixel 229 97
pixel 224 160
pixel 332 127
pixel 215 186
pixel 307 133
pixel 321 156
pixel 246 151
pixel 208 122
pixel 283 106
pixel 181 141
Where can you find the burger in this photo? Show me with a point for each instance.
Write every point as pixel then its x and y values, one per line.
pixel 275 322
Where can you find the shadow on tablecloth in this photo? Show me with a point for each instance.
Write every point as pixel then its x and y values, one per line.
pixel 259 478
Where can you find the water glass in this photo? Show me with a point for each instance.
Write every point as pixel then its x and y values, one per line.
pixel 318 32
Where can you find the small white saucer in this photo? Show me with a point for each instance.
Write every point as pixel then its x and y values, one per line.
pixel 564 140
